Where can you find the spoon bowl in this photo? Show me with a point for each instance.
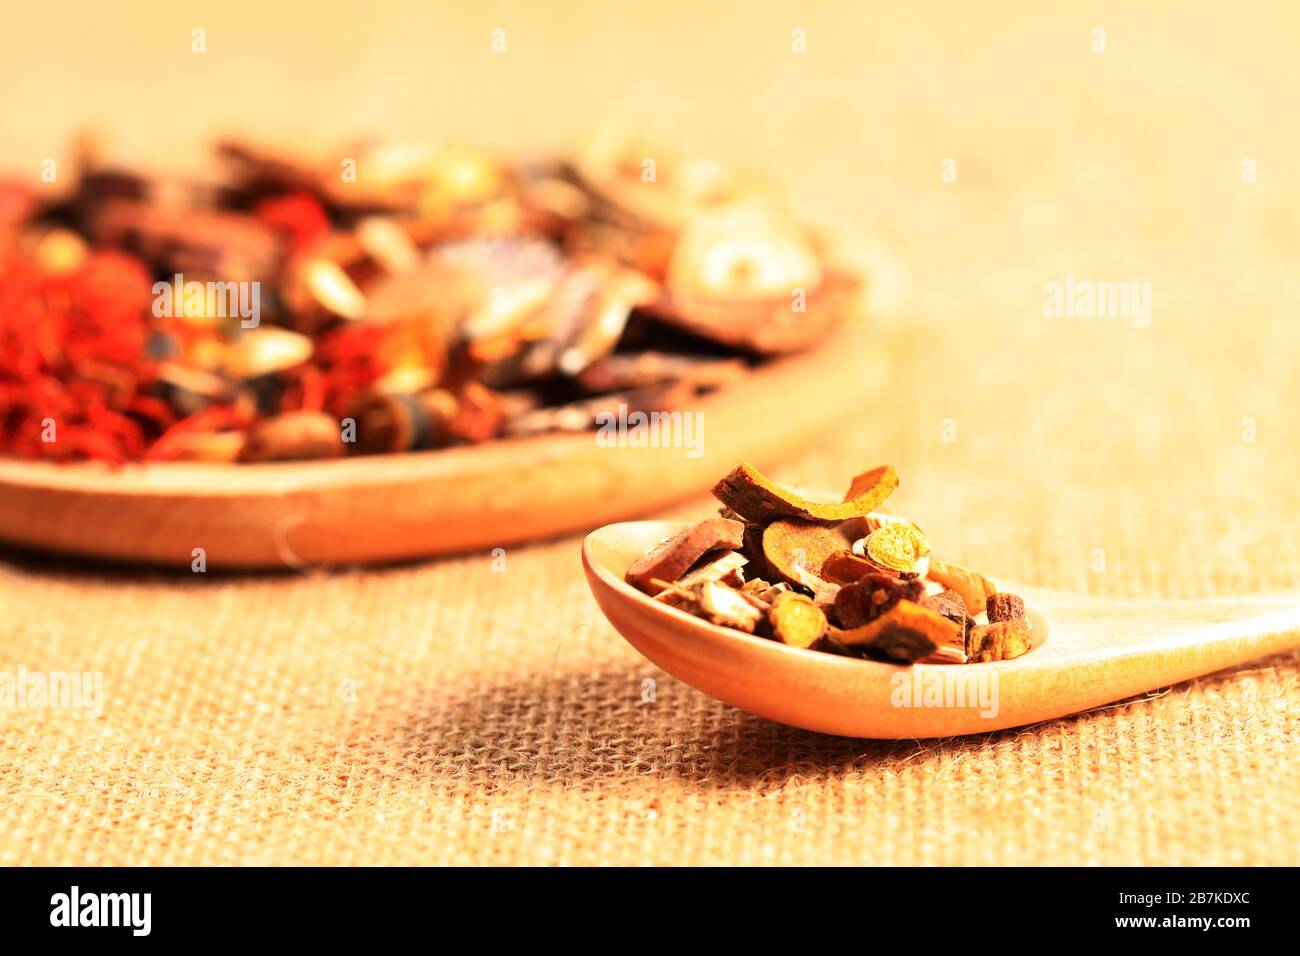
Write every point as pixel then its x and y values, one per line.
pixel 1093 651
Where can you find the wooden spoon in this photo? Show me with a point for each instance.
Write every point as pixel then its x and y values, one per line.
pixel 1094 651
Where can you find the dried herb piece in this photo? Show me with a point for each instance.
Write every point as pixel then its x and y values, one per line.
pixel 1000 641
pixel 796 620
pixel 906 632
pixel 294 436
pixel 973 587
pixel 725 568
pixel 845 567
pixel 1004 607
pixel 951 606
pixel 728 607
pixel 671 559
pixel 757 498
pixel 899 547
pixel 795 550
pixel 864 601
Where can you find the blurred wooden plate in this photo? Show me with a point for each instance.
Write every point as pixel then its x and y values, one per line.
pixel 393 507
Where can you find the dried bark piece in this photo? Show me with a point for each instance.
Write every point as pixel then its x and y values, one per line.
pixel 796 620
pixel 865 600
pixel 974 588
pixel 795 550
pixel 1000 641
pixel 951 606
pixel 906 632
pixel 672 558
pixel 845 567
pixel 1004 606
pixel 724 568
pixel 757 498
pixel 728 607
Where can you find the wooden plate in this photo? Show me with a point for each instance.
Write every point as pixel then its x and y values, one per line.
pixel 392 507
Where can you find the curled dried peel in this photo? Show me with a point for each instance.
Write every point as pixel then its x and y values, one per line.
pixel 757 498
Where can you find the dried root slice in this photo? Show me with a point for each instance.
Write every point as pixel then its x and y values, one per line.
pixel 1000 641
pixel 795 551
pixel 796 620
pixel 750 494
pixel 671 559
pixel 974 588
pixel 862 602
pixel 899 547
pixel 906 632
pixel 728 607
pixel 1004 606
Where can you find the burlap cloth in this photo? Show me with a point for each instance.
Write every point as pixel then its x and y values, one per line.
pixel 451 713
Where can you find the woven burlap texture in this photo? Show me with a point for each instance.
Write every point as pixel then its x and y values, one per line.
pixel 456 712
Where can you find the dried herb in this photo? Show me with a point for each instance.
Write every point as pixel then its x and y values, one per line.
pixel 865 600
pixel 796 620
pixel 447 297
pixel 880 595
pixel 974 588
pixel 1004 607
pixel 1000 641
pixel 671 559
pixel 906 632
pixel 795 550
pixel 756 498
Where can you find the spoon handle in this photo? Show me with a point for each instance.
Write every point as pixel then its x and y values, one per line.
pixel 1102 649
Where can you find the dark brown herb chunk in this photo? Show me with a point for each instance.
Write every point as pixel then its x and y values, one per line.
pixel 906 632
pixel 1004 607
pixel 864 601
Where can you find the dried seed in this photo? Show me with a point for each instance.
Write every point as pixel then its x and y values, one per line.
pixel 671 559
pixel 754 496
